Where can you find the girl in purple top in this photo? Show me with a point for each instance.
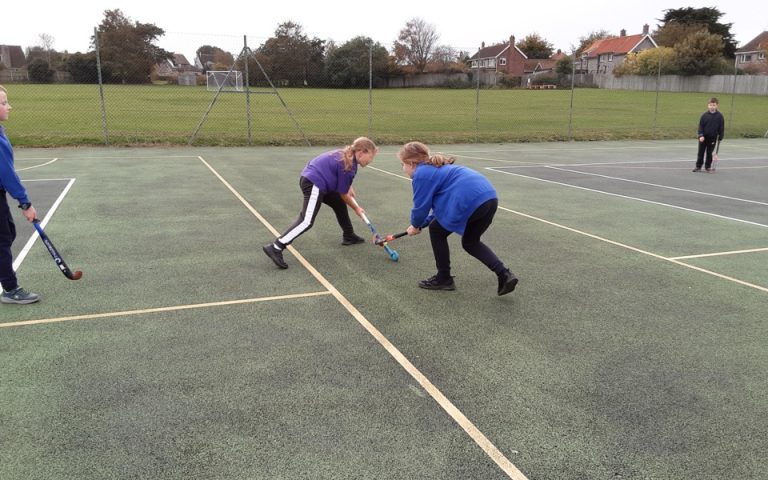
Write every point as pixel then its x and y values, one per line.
pixel 327 179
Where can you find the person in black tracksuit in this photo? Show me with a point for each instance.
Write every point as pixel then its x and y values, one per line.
pixel 711 131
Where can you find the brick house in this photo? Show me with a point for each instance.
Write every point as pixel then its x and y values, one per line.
pixel 603 55
pixel 502 58
pixel 178 63
pixel 753 53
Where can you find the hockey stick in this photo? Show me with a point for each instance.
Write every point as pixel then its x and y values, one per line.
pixel 714 157
pixel 389 238
pixel 392 254
pixel 55 254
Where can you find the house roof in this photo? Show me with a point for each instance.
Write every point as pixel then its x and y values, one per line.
pixel 494 51
pixel 180 60
pixel 758 43
pixel 617 45
pixel 13 54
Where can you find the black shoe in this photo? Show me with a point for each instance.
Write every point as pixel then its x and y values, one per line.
pixel 507 282
pixel 351 239
pixel 433 283
pixel 275 254
pixel 697 169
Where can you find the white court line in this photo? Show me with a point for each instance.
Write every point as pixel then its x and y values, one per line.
pixel 717 254
pixel 43 223
pixel 480 439
pixel 630 198
pixel 145 311
pixel 36 166
pixel 639 250
pixel 656 185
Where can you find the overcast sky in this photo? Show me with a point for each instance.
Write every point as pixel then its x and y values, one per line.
pixel 460 24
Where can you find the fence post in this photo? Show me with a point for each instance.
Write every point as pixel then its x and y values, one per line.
pixel 573 87
pixel 247 52
pixel 101 87
pixel 370 89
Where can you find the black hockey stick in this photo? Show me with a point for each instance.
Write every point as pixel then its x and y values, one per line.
pixel 55 254
pixel 389 238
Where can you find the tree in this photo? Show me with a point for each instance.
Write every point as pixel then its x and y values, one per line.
pixel 39 71
pixel 704 16
pixel 445 59
pixel 127 48
pixel 83 68
pixel 291 57
pixel 649 62
pixel 415 44
pixel 346 66
pixel 214 58
pixel 674 33
pixel 46 42
pixel 534 46
pixel 700 54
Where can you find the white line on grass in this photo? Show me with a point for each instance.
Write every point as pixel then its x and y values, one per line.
pixel 145 311
pixel 657 185
pixel 628 197
pixel 43 223
pixel 480 439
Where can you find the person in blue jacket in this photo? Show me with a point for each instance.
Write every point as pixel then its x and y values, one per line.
pixel 10 184
pixel 711 131
pixel 327 179
pixel 452 199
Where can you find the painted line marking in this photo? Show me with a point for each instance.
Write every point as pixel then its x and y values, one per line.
pixel 716 254
pixel 146 311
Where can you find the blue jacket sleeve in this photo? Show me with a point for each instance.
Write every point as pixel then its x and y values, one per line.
pixel 9 181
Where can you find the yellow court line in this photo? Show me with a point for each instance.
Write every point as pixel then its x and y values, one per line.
pixel 479 438
pixel 145 311
pixel 717 254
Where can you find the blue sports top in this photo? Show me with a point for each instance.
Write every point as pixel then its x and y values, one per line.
pixel 451 192
pixel 327 173
pixel 9 181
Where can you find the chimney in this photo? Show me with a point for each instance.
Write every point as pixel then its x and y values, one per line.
pixel 623 33
pixel 512 41
pixel 482 45
pixel 645 29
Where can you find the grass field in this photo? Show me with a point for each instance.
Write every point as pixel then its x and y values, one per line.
pixel 69 115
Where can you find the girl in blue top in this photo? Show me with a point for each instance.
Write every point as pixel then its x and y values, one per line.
pixel 327 179
pixel 10 183
pixel 451 198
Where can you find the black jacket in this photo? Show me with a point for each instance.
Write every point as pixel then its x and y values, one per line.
pixel 712 125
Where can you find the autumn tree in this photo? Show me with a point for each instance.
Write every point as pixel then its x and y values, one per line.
pixel 127 48
pixel 700 53
pixel 586 41
pixel 415 44
pixel 708 17
pixel 291 57
pixel 534 46
pixel 649 62
pixel 347 65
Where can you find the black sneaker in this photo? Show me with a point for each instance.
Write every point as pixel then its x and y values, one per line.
pixel 19 296
pixel 276 255
pixel 507 282
pixel 353 239
pixel 697 169
pixel 433 283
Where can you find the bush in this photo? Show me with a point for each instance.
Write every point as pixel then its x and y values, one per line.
pixel 39 71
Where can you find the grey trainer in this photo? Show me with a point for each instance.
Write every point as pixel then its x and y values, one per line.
pixel 19 296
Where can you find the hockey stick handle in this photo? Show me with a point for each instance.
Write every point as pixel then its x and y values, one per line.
pixel 389 238
pixel 55 253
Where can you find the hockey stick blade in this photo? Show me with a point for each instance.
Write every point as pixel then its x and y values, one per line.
pixel 76 275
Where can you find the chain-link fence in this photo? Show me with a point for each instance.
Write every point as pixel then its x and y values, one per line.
pixel 232 94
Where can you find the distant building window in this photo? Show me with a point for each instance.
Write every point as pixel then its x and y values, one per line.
pixel 747 58
pixel 474 63
pixel 761 56
pixel 502 61
pixel 610 57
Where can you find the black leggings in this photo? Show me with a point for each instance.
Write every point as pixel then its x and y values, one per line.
pixel 313 198
pixel 7 236
pixel 477 224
